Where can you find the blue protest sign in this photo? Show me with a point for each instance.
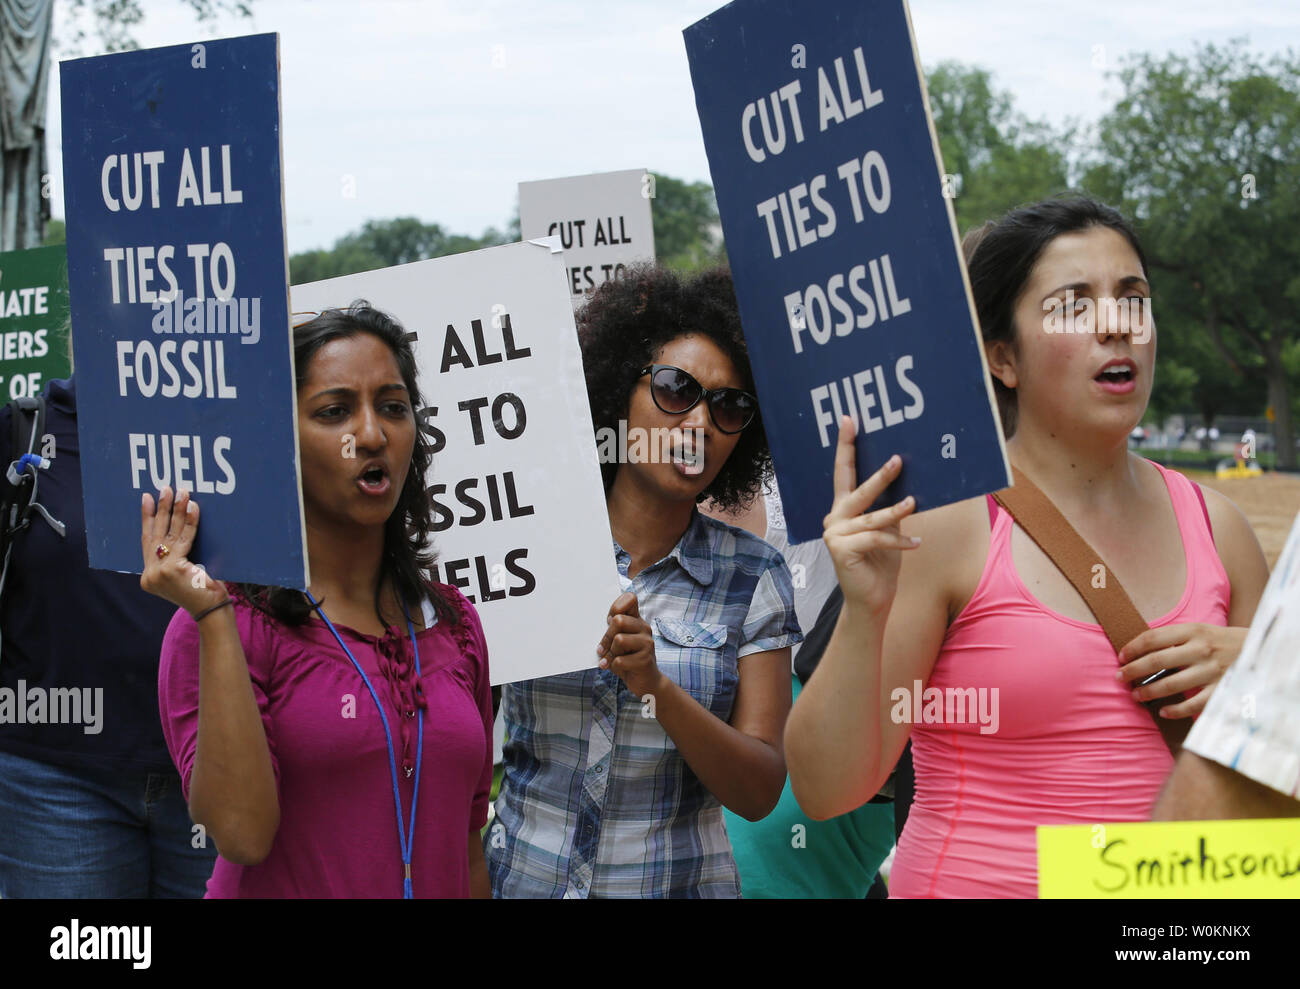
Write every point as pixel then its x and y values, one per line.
pixel 844 250
pixel 180 303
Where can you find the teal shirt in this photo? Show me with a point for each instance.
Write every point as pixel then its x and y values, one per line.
pixel 788 855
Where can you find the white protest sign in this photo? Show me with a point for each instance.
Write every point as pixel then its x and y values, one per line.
pixel 520 520
pixel 602 222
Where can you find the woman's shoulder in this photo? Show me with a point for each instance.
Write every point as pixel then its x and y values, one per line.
pixel 741 545
pixel 947 566
pixel 1236 545
pixel 451 604
pixel 258 638
pixel 1224 514
pixel 959 524
pixel 1228 523
pixel 459 618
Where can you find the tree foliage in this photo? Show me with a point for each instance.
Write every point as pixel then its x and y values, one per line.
pixel 688 234
pixel 55 233
pixel 1205 151
pixel 111 22
pixel 998 158
pixel 384 243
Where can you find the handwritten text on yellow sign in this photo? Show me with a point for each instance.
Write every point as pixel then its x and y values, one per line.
pixel 1181 859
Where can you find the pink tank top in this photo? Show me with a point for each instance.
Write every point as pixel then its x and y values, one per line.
pixel 1071 746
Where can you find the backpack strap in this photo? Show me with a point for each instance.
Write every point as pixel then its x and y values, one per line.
pixel 19 506
pixel 18 409
pixel 18 491
pixel 16 422
pixel 1054 535
pixel 1052 532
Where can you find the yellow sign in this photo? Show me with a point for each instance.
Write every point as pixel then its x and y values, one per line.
pixel 1171 860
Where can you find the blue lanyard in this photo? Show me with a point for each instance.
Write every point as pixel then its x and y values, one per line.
pixel 404 837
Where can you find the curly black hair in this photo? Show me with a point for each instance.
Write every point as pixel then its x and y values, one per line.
pixel 406 562
pixel 627 322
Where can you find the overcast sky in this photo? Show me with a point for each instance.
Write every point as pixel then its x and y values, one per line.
pixel 438 108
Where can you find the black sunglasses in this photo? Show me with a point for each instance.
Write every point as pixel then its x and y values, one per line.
pixel 675 392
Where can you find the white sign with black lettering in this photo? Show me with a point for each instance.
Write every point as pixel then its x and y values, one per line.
pixel 519 509
pixel 602 220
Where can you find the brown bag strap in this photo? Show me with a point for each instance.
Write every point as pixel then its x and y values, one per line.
pixel 1106 598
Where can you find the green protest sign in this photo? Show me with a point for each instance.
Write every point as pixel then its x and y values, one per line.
pixel 33 320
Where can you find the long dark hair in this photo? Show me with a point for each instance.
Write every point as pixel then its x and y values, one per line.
pixel 406 560
pixel 1001 254
pixel 627 321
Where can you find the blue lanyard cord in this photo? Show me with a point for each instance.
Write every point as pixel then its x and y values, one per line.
pixel 405 837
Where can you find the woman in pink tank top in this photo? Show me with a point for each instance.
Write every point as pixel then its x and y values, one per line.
pixel 973 643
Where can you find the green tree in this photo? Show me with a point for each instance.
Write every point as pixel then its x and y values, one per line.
pixel 998 158
pixel 111 22
pixel 383 244
pixel 1190 374
pixel 406 239
pixel 1205 151
pixel 312 266
pixel 1174 389
pixel 688 234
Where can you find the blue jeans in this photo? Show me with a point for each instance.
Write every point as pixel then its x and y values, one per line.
pixel 94 833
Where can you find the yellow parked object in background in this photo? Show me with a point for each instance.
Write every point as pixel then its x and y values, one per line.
pixel 1238 468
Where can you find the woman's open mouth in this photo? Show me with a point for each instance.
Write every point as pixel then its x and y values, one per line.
pixel 1117 378
pixel 374 481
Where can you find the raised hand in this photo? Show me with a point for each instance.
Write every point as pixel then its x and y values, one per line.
pixel 168 573
pixel 865 548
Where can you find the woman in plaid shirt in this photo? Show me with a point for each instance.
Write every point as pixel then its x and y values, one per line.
pixel 615 777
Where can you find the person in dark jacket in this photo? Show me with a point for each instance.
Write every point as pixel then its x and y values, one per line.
pixel 90 804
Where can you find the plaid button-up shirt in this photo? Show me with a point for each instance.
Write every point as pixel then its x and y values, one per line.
pixel 596 801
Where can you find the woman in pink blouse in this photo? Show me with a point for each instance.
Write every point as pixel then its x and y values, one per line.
pixel 334 743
